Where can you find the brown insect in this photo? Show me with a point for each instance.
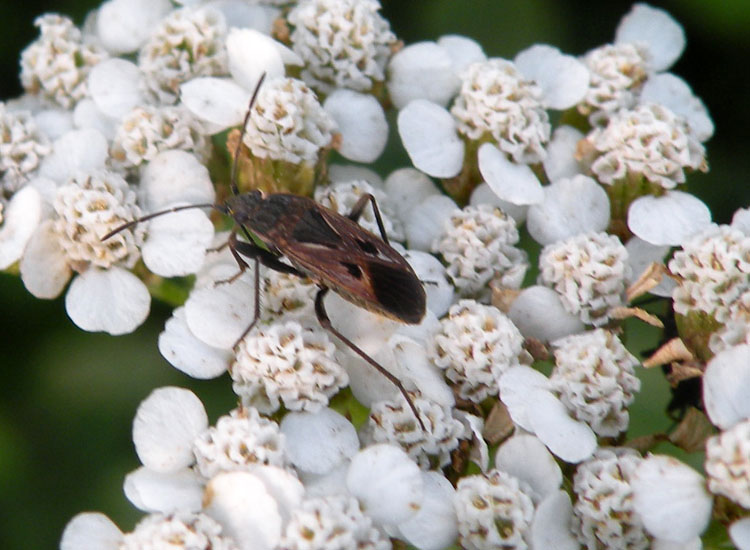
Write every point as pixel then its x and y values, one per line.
pixel 332 250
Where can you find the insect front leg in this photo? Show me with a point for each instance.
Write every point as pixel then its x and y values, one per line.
pixel 325 322
pixel 359 207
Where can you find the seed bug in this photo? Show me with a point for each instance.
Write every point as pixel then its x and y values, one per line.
pixel 330 249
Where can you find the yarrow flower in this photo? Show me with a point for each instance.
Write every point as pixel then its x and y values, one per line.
pixel 179 531
pixel 728 463
pixel 736 329
pixel 22 147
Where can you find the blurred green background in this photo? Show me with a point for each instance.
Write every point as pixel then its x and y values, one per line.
pixel 67 398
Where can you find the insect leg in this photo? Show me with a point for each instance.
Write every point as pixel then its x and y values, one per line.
pixel 359 207
pixel 325 322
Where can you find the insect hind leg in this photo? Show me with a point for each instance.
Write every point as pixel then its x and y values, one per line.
pixel 359 207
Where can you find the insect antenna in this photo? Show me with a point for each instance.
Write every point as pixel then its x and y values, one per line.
pixel 136 221
pixel 235 189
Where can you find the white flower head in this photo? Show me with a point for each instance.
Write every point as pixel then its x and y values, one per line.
pixel 188 42
pixel 588 271
pixel 58 62
pixel 288 123
pixel 286 363
pixel 334 523
pixel 477 244
pixel 648 141
pixel 241 440
pixel 493 512
pixel 181 531
pixel 736 330
pixel 604 505
pixel 728 463
pixel 713 271
pixel 476 344
pixel 595 378
pixel 288 296
pixel 344 44
pixel 146 131
pixel 496 101
pixel 22 147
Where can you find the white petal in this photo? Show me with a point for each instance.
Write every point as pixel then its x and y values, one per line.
pixel 668 220
pixel 332 483
pixel 526 458
pixel 560 161
pixel 54 122
pixel 435 526
pixel 570 206
pixel 319 442
pixel 123 25
pixel 387 483
pixel 429 135
pixel 165 426
pixel 219 101
pixel 87 115
pixel 463 51
pixel 361 122
pixel 483 194
pixel 406 188
pixel 550 528
pixel 427 221
pixel 538 313
pixel 239 14
pixel 692 544
pixel 176 177
pixel 569 439
pixel 116 86
pixel 563 79
pixel 248 514
pixel 113 301
pixel 44 266
pixel 368 386
pixel 283 486
pixel 661 33
pixel 739 532
pixel 176 243
pixel 82 150
pixel 186 353
pixel 411 358
pixel 366 329
pixel 165 492
pixel 20 220
pixel 252 53
pixel 91 531
pixel 640 256
pixel 422 70
pixel 726 387
pixel 674 93
pixel 514 183
pixel 431 273
pixel 741 220
pixel 349 172
pixel 670 498
pixel 516 385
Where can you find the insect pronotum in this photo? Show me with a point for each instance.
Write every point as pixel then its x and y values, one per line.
pixel 332 250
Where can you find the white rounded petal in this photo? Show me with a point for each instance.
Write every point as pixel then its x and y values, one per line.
pixel 366 329
pixel 239 14
pixel 674 93
pixel 516 385
pixel 331 483
pixel 640 256
pixel 526 458
pixel 550 528
pixel 668 220
pixel 514 183
pixel 387 483
pixel 670 498
pixel 113 301
pixel 406 188
pixel 431 273
pixel 187 353
pixel 483 194
pixel 165 426
pixel 741 220
pixel 176 243
pixel 348 172
pixel 560 161
pixel 427 220
pixel 116 86
pixel 538 313
pixel 726 387
pixel 429 135
pixel 463 51
pixel 361 123
pixel 692 544
pixel 563 79
pixel 83 150
pixel 20 219
pixel 54 122
pixel 283 486
pixel 91 531
pixel 664 37
pixel 252 53
pixel 219 101
pixel 176 177
pixel 218 314
pixel 44 266
pixel 411 358
pixel 422 70
pixel 739 532
pixel 87 115
pixel 164 492
pixel 435 525
pixel 123 25
pixel 570 206
pixel 248 514
pixel 569 439
pixel 319 442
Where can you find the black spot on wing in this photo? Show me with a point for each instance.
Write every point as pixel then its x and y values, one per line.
pixel 353 269
pixel 312 228
pixel 398 291
pixel 366 246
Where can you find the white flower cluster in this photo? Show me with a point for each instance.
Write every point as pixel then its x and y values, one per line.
pixel 22 147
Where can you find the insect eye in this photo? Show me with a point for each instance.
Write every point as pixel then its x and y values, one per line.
pixel 367 246
pixel 353 269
